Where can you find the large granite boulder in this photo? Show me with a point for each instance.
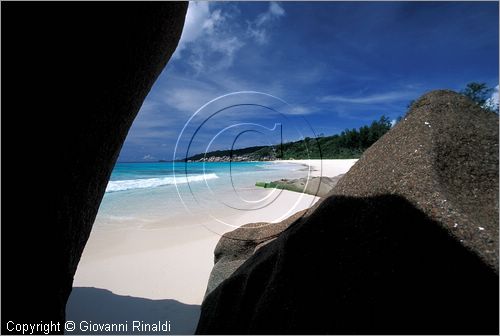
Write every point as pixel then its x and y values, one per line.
pixel 380 254
pixel 235 247
pixel 443 158
pixel 75 77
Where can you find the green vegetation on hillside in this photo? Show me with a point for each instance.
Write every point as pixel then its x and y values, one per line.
pixel 346 145
pixel 480 94
pixel 477 92
pixel 221 153
pixel 349 144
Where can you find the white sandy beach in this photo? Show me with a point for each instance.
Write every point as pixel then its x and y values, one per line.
pixel 171 262
pixel 328 168
pixel 157 262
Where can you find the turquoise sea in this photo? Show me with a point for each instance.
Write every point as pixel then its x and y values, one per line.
pixel 152 193
pixel 130 176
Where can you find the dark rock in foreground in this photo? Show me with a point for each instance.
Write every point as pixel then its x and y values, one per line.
pixel 357 265
pixel 235 247
pixel 96 64
pixel 379 256
pixel 443 157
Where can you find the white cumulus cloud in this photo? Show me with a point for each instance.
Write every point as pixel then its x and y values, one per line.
pixel 380 98
pixel 205 33
pixel 492 102
pixel 276 9
pixel 258 29
pixel 198 18
pixel 213 34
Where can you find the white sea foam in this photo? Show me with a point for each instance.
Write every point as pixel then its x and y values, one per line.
pixel 156 182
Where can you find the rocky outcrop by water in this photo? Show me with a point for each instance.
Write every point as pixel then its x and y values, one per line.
pixel 319 186
pixel 406 243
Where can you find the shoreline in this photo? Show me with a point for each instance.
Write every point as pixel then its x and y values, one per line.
pixel 161 261
pixel 137 260
pixel 326 167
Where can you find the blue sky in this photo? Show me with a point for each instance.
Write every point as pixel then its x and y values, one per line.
pixel 338 64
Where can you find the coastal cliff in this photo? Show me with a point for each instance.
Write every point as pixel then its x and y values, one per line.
pixel 407 242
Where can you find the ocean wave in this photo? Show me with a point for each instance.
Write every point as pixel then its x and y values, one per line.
pixel 156 182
